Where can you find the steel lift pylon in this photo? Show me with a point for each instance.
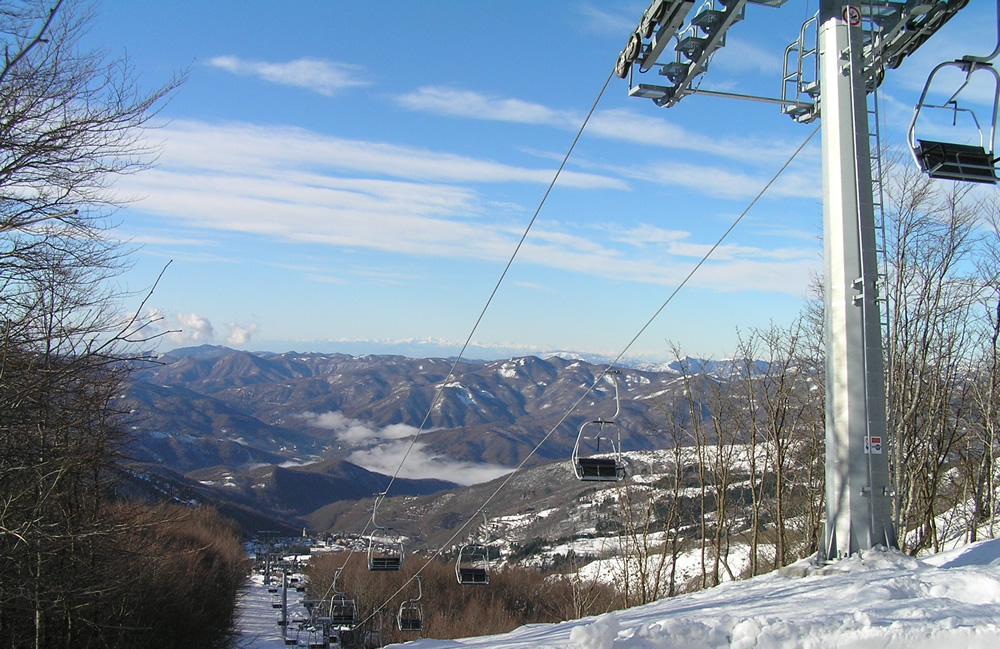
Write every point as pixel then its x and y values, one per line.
pixel 850 61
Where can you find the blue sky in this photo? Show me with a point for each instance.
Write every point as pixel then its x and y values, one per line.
pixel 348 176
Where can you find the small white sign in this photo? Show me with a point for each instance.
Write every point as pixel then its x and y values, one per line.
pixel 873 445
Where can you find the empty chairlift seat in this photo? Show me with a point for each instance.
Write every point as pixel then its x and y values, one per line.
pixel 599 469
pixel 385 547
pixel 410 617
pixel 959 157
pixel 597 466
pixel 965 162
pixel 472 565
pixel 343 613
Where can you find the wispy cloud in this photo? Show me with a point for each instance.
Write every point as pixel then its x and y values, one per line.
pixel 620 124
pixel 601 21
pixel 299 186
pixel 240 147
pixel 727 182
pixel 318 75
pixel 466 103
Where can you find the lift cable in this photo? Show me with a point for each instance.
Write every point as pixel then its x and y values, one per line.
pixel 601 375
pixel 496 288
pixel 440 390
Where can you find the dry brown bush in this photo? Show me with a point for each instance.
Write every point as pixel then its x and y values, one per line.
pixel 189 569
pixel 515 596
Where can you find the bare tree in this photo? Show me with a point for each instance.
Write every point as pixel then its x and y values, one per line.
pixel 931 237
pixel 70 123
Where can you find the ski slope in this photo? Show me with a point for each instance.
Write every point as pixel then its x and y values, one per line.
pixel 874 600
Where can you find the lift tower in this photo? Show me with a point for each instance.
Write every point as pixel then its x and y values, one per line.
pixel 858 491
pixel 854 44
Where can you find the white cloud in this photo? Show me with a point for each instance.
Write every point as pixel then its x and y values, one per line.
pixel 466 103
pixel 198 147
pixel 354 431
pixel 418 463
pixel 726 182
pixel 295 185
pixel 318 75
pixel 393 445
pixel 193 329
pixel 240 334
pixel 290 184
pixel 601 21
pixel 620 124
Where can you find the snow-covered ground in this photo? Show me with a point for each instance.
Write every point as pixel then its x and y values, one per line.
pixel 879 599
pixel 257 623
pixel 876 600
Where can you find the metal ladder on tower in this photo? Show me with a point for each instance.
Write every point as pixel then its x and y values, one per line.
pixel 871 25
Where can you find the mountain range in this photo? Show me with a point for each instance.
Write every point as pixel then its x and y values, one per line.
pixel 302 437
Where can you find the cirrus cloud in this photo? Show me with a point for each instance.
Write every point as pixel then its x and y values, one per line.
pixel 318 75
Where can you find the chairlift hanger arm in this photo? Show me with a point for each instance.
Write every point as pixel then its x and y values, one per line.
pixel 904 27
pixel 663 23
pixel 996 51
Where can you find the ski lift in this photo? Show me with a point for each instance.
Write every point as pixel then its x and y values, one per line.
pixel 317 638
pixel 343 612
pixel 472 567
pixel 385 547
pixel 608 467
pixel 370 637
pixel 962 161
pixel 411 614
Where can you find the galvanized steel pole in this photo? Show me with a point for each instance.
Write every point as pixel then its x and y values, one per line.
pixel 858 489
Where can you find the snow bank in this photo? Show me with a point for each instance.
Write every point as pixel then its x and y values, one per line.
pixel 876 600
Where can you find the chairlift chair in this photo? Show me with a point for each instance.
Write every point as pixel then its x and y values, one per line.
pixel 969 162
pixel 385 547
pixel 317 638
pixel 962 161
pixel 472 566
pixel 343 611
pixel 411 613
pixel 607 467
pixel 385 552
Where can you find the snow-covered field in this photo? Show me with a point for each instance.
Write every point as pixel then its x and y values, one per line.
pixel 879 599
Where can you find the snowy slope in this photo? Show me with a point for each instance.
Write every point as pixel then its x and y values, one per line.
pixel 257 618
pixel 877 600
